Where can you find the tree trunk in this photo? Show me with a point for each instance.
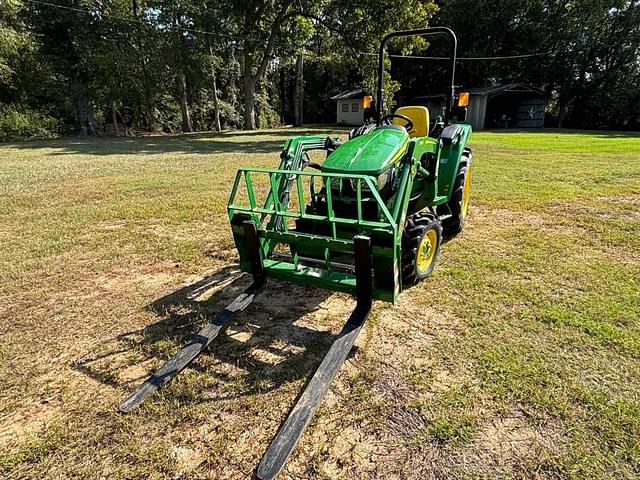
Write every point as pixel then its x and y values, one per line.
pixel 84 119
pixel 249 102
pixel 282 93
pixel 114 119
pixel 216 105
pixel 298 96
pixel 146 106
pixel 149 103
pixel 184 106
pixel 562 111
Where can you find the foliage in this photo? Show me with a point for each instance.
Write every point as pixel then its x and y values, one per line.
pixel 26 125
pixel 157 62
pixel 589 65
pixel 15 41
pixel 267 115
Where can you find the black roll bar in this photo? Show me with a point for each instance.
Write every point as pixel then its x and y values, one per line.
pixel 413 33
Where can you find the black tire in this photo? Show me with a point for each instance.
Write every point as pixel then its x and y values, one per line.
pixel 453 225
pixel 416 228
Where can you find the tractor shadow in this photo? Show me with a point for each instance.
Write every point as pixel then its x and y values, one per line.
pixel 263 348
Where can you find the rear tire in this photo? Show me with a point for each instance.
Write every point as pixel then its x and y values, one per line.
pixel 458 204
pixel 421 242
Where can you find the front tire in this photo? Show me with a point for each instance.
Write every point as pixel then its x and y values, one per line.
pixel 421 242
pixel 458 204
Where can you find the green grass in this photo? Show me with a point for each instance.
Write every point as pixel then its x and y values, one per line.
pixel 519 357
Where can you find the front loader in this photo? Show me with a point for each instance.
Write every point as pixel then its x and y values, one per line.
pixel 368 220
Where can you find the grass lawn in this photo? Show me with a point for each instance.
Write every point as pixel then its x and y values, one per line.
pixel 518 358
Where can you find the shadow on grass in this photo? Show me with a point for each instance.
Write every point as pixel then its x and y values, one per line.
pixel 207 143
pixel 266 350
pixel 561 131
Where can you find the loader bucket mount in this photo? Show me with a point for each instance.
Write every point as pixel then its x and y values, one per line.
pixel 324 257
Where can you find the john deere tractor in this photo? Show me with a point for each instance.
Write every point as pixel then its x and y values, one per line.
pixel 402 181
pixel 368 219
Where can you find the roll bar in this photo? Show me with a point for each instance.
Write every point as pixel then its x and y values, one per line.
pixel 413 33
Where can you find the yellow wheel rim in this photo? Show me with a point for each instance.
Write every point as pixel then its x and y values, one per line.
pixel 466 190
pixel 427 250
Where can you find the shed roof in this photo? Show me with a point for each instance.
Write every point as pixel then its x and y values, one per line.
pixel 349 95
pixel 508 87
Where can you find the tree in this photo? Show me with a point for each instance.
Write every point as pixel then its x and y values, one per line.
pixel 596 51
pixel 262 21
pixel 361 24
pixel 15 41
pixel 209 64
pixel 589 53
pixel 68 37
pixel 298 97
pixel 214 86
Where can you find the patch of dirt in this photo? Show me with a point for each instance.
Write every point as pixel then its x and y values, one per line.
pixel 502 218
pixel 27 422
pixel 186 459
pixel 632 199
pixel 614 208
pixel 505 216
pixel 348 452
pixel 504 447
pixel 392 387
pixel 509 442
pixel 131 374
pixel 160 276
pixel 361 428
pixel 113 225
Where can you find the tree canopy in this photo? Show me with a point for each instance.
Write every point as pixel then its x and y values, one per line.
pixel 74 66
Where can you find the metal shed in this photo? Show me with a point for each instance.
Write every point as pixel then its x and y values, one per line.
pixel 514 105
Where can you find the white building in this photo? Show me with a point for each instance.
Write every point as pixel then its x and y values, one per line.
pixel 350 107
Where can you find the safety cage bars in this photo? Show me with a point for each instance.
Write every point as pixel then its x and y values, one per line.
pixel 277 207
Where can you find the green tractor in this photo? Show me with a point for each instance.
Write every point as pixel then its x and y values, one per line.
pixel 401 182
pixel 369 219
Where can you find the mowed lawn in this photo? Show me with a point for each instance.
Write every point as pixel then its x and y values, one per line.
pixel 518 358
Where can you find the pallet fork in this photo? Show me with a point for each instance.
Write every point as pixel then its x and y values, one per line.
pixel 291 430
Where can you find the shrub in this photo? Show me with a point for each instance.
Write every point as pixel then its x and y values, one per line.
pixel 267 116
pixel 26 124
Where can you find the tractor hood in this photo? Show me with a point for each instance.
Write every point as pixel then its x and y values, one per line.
pixel 369 154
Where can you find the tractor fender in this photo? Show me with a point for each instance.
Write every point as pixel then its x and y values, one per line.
pixel 451 135
pixel 451 145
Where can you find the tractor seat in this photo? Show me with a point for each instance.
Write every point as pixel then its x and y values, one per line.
pixel 419 116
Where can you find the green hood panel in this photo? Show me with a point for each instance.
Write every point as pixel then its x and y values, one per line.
pixel 369 154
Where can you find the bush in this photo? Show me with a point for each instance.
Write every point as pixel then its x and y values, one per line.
pixel 167 114
pixel 267 116
pixel 230 116
pixel 26 125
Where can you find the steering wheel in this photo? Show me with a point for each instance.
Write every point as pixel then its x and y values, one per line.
pixel 386 120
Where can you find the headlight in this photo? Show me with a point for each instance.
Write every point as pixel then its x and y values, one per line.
pixel 364 185
pixel 385 178
pixel 384 181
